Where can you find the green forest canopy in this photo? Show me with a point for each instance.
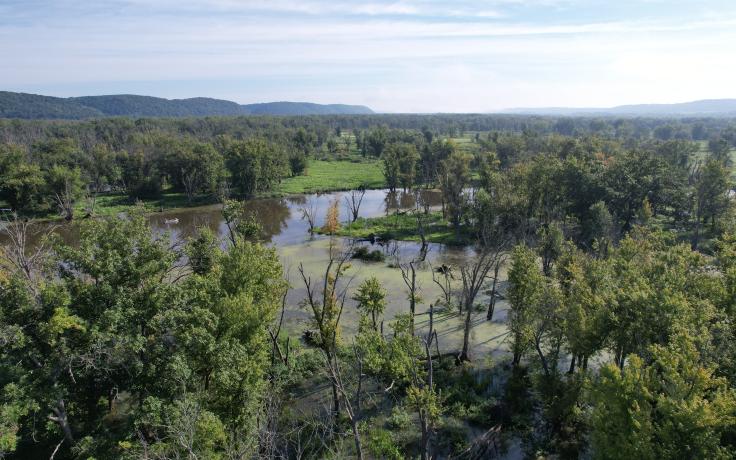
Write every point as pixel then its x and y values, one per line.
pixel 618 238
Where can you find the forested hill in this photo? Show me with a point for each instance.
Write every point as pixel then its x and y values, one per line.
pixel 706 107
pixel 304 108
pixel 33 106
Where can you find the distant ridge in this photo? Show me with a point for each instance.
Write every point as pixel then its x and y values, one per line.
pixel 705 107
pixel 305 108
pixel 34 106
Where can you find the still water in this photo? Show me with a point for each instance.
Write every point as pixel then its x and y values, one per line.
pixel 286 231
pixel 281 218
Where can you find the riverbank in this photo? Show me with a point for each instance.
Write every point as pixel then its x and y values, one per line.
pixel 321 176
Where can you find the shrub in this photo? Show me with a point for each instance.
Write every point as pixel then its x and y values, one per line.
pixel 399 418
pixel 363 253
pixel 380 443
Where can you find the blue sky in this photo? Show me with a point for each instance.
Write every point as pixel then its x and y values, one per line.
pixel 394 56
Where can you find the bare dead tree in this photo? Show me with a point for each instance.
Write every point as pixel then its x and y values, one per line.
pixel 65 200
pixel 337 380
pixel 309 213
pixel 420 218
pixel 268 433
pixel 485 446
pixel 473 275
pixel 494 294
pixel 409 275
pixel 432 334
pixel 443 277
pixel 274 333
pixel 326 306
pixel 20 253
pixel 359 363
pixel 421 231
pixel 91 198
pixel 353 201
pixel 59 416
pixel 190 180
pixel 426 383
pixel 327 313
pixel 391 250
pixel 309 437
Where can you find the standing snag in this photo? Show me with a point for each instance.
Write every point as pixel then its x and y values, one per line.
pixel 309 213
pixel 353 202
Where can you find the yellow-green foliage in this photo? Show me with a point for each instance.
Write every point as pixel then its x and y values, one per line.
pixel 371 298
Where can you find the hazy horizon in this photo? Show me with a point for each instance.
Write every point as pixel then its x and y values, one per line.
pixel 392 56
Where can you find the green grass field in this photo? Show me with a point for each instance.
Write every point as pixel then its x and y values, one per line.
pixel 323 176
pixel 403 226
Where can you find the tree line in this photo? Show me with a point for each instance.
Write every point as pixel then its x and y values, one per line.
pixel 58 173
pixel 47 166
pixel 115 131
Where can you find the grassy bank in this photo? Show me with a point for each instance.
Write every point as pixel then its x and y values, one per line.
pixel 403 226
pixel 110 205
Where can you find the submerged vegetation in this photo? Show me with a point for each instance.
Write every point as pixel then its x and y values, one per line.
pixel 598 259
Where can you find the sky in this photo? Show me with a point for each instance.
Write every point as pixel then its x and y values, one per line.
pixel 393 56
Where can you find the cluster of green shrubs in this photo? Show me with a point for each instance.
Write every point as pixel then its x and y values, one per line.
pixel 364 253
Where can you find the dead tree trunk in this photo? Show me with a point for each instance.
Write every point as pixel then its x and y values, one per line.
pixel 353 416
pixel 354 201
pixel 327 309
pixel 275 347
pixel 189 180
pixel 420 216
pixel 473 276
pixel 494 293
pixel 409 275
pixel 309 213
pixel 60 417
pixel 425 422
pixel 20 254
pixel 444 283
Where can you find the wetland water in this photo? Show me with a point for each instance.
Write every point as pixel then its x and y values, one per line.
pixel 286 231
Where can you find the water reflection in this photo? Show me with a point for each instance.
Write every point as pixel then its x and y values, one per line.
pixel 281 218
pixel 400 200
pixel 286 231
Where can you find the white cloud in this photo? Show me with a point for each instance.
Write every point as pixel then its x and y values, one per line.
pixel 376 53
